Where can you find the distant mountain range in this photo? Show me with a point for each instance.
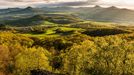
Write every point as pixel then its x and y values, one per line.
pixel 96 13
pixel 111 14
pixel 28 10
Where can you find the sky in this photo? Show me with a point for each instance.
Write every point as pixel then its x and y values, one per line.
pixel 25 3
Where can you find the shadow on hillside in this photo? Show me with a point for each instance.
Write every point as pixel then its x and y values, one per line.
pixel 104 32
pixel 43 72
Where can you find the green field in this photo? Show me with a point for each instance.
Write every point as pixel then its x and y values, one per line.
pixel 50 32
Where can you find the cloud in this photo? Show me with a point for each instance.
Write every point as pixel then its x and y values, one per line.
pixel 25 3
pixel 92 0
pixel 116 2
pixel 19 3
pixel 29 0
pixel 71 3
pixel 79 3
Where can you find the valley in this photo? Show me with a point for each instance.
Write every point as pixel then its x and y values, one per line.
pixel 66 41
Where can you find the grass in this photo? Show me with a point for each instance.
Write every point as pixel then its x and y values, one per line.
pixel 50 32
pixel 48 23
pixel 40 35
pixel 70 29
pixel 63 13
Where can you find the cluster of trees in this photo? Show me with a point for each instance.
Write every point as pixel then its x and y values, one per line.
pixel 102 56
pixel 105 32
pixel 32 29
pixel 68 55
pixel 18 56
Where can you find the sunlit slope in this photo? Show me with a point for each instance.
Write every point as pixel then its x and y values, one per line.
pixel 44 19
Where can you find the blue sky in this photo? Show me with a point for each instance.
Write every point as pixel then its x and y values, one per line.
pixel 24 3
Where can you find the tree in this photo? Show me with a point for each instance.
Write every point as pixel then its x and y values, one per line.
pixel 4 59
pixel 78 57
pixel 32 59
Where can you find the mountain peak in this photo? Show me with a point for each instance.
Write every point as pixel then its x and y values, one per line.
pixel 113 7
pixel 97 7
pixel 29 7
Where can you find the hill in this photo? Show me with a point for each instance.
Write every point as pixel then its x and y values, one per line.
pixel 28 10
pixel 110 14
pixel 43 19
pixel 98 13
pixel 3 11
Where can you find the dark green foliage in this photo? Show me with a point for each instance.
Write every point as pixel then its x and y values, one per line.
pixel 105 32
pixel 57 62
pixel 4 27
pixel 43 72
pixel 37 30
pixel 26 21
pixel 63 32
pixel 56 43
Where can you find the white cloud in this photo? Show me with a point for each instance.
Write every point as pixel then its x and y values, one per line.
pixel 25 3
pixel 12 3
pixel 116 2
pixel 20 3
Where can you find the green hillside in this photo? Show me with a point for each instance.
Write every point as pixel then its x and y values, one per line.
pixel 44 20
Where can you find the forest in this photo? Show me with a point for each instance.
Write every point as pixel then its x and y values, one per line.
pixel 82 48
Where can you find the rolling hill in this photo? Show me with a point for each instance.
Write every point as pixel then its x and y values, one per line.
pixel 96 13
pixel 43 19
pixel 28 10
pixel 3 11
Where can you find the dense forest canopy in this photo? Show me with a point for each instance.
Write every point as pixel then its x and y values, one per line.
pixel 87 48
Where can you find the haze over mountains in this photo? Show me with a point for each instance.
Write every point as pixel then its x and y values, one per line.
pixel 96 13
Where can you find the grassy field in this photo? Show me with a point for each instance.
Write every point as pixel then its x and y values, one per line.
pixel 51 32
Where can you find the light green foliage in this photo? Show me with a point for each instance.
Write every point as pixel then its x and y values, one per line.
pixel 78 57
pixel 32 58
pixel 51 32
pixel 111 55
